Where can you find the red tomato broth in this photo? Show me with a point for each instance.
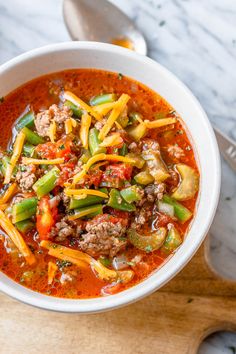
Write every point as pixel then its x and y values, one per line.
pixel 40 94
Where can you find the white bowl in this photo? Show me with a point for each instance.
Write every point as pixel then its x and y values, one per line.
pixel 108 57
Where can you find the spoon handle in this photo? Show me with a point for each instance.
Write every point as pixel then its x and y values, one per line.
pixel 227 148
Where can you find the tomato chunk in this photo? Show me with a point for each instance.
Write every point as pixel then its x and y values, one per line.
pixel 46 151
pixel 117 173
pixel 45 219
pixel 62 148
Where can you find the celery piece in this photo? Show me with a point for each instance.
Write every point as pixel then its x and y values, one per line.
pixel 89 200
pixel 101 99
pixel 24 209
pixel 88 211
pixel 172 241
pixel 117 202
pixel 28 150
pixel 45 184
pixel 148 243
pixel 131 194
pixel 26 121
pixel 94 142
pixel 77 112
pixel 32 137
pixel 25 225
pixel 181 212
pixel 123 150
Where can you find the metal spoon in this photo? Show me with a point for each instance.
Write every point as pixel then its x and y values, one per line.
pixel 101 21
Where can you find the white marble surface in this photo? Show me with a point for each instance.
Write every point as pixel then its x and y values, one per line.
pixel 196 39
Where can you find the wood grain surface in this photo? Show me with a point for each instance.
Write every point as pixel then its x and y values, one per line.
pixel 174 320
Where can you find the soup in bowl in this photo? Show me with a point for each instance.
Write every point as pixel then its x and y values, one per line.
pixel 101 177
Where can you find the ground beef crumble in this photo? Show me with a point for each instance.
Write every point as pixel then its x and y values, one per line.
pixel 142 216
pixel 103 238
pixel 26 177
pixel 44 119
pixel 65 228
pixel 154 191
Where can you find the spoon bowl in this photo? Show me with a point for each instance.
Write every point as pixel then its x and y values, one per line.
pixel 101 21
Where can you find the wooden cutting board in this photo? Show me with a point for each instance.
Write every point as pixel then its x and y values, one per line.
pixel 173 320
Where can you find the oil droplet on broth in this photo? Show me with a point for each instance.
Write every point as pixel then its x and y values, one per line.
pixel 123 42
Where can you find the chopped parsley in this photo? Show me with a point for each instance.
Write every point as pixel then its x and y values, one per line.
pixel 148 249
pixel 105 261
pixel 72 241
pixel 188 148
pixel 62 264
pixel 62 147
pixel 120 76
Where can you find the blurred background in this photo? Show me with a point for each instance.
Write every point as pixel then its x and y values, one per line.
pixel 196 40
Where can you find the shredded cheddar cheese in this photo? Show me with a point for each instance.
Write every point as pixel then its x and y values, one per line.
pixel 67 254
pixel 17 149
pixel 118 125
pixel 79 103
pixel 104 108
pixel 29 161
pixel 16 238
pixel 68 126
pixel 97 158
pixel 52 269
pixel 112 140
pixel 80 259
pixel 84 129
pixel 114 115
pixel 11 190
pixel 159 122
pixel 73 122
pixel 81 214
pixel 84 191
pixel 52 131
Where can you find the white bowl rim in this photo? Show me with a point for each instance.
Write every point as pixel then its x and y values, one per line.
pixel 158 279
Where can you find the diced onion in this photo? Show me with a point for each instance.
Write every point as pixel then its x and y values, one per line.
pixel 165 208
pixel 119 262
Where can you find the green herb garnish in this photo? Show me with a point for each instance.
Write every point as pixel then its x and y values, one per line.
pixel 62 264
pixel 148 249
pixel 105 261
